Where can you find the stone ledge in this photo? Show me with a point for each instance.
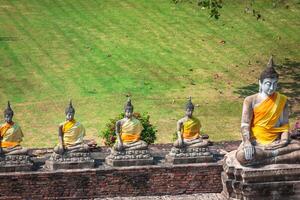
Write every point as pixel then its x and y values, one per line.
pixel 277 181
pixel 106 181
pixel 15 163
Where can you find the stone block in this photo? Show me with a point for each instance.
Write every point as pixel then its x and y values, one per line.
pixel 276 181
pixel 189 155
pixel 15 163
pixel 129 158
pixel 70 161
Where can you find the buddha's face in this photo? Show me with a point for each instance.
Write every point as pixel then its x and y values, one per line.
pixel 189 112
pixel 268 86
pixel 8 118
pixel 70 116
pixel 128 112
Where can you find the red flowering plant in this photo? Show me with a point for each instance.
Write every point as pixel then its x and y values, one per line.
pixel 148 134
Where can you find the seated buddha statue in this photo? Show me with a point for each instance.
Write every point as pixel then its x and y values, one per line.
pixel 188 130
pixel 128 131
pixel 71 134
pixel 11 135
pixel 265 125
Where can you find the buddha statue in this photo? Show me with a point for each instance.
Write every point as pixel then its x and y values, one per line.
pixel 128 131
pixel 265 125
pixel 70 134
pixel 11 135
pixel 188 130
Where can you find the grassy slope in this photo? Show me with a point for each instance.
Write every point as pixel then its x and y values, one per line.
pixel 96 52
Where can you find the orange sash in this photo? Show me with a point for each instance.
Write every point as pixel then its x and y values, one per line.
pixel 265 118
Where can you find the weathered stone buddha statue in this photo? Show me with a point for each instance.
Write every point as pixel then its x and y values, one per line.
pixel 266 164
pixel 129 148
pixel 11 135
pixel 188 130
pixel 13 157
pixel 128 131
pixel 71 134
pixel 265 125
pixel 71 152
pixel 190 147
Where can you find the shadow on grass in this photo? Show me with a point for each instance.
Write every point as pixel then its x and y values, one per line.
pixel 247 90
pixel 8 39
pixel 289 84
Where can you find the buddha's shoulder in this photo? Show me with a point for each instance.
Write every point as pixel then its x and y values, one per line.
pixel 16 125
pixel 182 120
pixel 251 98
pixel 78 124
pixel 282 95
pixel 135 120
pixel 196 119
pixel 121 121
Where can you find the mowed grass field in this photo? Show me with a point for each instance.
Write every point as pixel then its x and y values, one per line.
pixel 97 52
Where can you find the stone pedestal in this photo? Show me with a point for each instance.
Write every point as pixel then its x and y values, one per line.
pixel 15 163
pixel 277 181
pixel 189 155
pixel 70 161
pixel 129 158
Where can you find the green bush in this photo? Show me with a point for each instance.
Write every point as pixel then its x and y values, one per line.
pixel 148 134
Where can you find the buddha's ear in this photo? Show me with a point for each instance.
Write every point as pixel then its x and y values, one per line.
pixel 259 83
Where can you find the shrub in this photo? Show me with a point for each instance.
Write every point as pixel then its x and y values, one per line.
pixel 148 134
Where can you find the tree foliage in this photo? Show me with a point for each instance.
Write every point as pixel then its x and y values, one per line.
pixel 212 5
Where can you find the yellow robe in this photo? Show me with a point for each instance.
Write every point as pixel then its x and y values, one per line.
pixel 265 117
pixel 131 130
pixel 73 133
pixel 11 135
pixel 191 128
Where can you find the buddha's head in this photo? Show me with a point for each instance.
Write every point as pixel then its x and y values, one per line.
pixel 8 113
pixel 268 79
pixel 128 108
pixel 70 112
pixel 189 108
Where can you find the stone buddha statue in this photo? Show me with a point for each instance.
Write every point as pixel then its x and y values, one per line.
pixel 128 131
pixel 11 135
pixel 265 125
pixel 129 149
pixel 70 134
pixel 188 130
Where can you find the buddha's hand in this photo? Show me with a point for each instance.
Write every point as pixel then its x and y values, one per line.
pixel 249 150
pixel 278 145
pixel 120 146
pixel 62 148
pixel 180 142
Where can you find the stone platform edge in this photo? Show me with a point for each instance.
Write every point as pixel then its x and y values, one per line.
pixel 108 181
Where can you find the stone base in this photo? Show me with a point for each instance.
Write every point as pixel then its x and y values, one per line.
pixel 15 163
pixel 277 181
pixel 70 161
pixel 129 158
pixel 189 155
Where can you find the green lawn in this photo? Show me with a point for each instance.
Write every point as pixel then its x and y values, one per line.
pixel 96 52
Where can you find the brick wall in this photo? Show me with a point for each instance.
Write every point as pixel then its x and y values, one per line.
pixel 108 182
